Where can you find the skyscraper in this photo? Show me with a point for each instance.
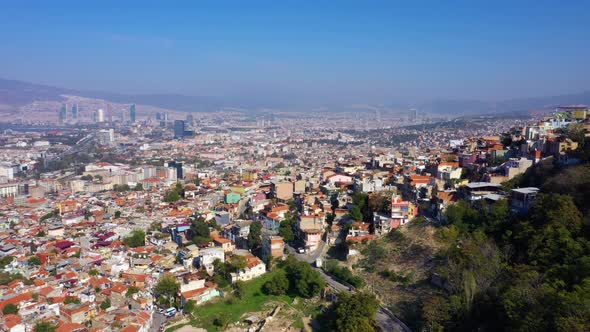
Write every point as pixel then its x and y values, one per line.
pixel 109 113
pixel 132 113
pixel 413 115
pixel 178 129
pixel 100 115
pixel 178 166
pixel 75 112
pixel 63 114
pixel 189 119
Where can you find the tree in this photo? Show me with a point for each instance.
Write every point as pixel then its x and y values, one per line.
pixel 34 260
pixel 254 239
pixel 138 187
pixel 4 261
pixel 71 300
pixel 171 196
pixel 86 177
pixel 355 213
pixel 240 289
pixel 200 232
pixel 355 312
pixel 105 304
pixel 121 187
pixel 131 290
pixel 577 133
pixel 93 272
pixel 10 309
pixel 44 327
pixel 286 230
pixel 436 312
pixel 167 287
pixel 238 262
pixel 303 280
pixel 189 307
pixel 117 214
pixel 136 239
pixel 277 285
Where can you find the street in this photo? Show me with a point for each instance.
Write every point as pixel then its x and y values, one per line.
pixel 385 318
pixel 157 320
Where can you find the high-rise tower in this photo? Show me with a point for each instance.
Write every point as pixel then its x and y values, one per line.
pixel 132 113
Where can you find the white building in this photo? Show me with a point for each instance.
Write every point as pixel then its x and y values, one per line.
pixel 254 268
pixel 101 116
pixel 207 256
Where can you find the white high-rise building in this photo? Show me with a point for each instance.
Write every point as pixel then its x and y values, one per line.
pixel 101 116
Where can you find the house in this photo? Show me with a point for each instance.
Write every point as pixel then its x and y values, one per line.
pixel 312 239
pixel 402 211
pixel 383 224
pixel 521 199
pixel 474 191
pixel 337 179
pixel 222 218
pixel 232 198
pixel 516 166
pixel 358 232
pixel 270 220
pixel 272 246
pixel 206 292
pixel 282 190
pixel 207 256
pixel 12 323
pixel 75 313
pixel 254 268
pixel 448 171
pixel 225 244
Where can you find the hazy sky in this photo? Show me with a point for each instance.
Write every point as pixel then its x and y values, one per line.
pixel 361 51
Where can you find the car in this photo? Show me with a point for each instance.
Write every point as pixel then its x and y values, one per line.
pixel 161 310
pixel 170 312
pixel 301 250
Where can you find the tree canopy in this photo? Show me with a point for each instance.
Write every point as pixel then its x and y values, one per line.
pixel 303 279
pixel 355 312
pixel 200 232
pixel 136 239
pixel 254 237
pixel 167 289
pixel 10 308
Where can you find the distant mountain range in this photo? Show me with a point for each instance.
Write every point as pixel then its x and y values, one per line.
pixel 18 93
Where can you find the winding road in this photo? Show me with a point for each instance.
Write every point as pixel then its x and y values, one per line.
pixel 384 317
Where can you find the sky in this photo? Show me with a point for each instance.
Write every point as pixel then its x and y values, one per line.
pixel 326 51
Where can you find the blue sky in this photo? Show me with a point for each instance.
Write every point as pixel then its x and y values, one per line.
pixel 325 51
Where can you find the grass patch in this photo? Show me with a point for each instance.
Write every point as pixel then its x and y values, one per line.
pixel 299 324
pixel 211 316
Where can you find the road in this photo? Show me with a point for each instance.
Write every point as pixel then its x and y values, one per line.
pixel 157 320
pixel 309 258
pixel 385 318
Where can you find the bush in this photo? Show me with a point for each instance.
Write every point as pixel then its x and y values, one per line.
pixel 397 277
pixel 10 309
pixel 277 285
pixel 136 239
pixel 343 273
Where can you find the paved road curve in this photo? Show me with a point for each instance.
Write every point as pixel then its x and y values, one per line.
pixel 385 318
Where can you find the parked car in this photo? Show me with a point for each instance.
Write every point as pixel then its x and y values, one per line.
pixel 170 312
